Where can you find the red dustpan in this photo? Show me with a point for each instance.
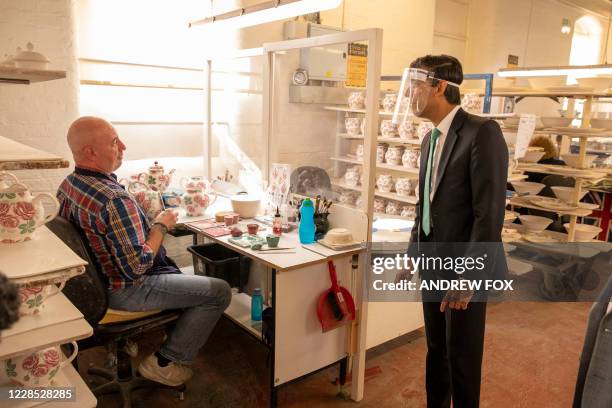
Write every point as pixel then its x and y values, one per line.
pixel 336 306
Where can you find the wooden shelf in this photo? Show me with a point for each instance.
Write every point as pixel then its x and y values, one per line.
pixel 586 174
pixel 239 311
pixel 350 137
pixel 399 217
pixel 345 159
pixel 401 169
pixel 396 197
pixel 548 94
pixel 39 338
pixel 397 140
pixel 340 183
pixel 347 109
pixel 42 258
pixel 521 202
pixel 516 177
pixel 27 76
pixel 17 156
pixel 57 310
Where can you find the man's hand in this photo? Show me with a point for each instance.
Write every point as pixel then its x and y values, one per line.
pixel 168 218
pixel 456 299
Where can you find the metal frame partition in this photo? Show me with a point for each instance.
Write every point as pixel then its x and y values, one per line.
pixel 374 39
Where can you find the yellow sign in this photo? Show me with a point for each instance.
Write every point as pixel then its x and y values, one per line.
pixel 357 65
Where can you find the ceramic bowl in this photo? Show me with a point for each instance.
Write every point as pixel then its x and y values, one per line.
pixel 571 160
pixel 597 83
pixel 556 121
pixel 532 156
pixel 565 193
pixel 339 236
pixel 546 82
pixel 527 187
pixel 534 223
pixel 584 232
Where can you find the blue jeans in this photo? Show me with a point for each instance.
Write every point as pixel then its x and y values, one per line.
pixel 202 299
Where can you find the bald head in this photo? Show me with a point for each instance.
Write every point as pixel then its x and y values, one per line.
pixel 94 144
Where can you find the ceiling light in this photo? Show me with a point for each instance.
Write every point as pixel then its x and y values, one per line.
pixel 266 12
pixel 566 28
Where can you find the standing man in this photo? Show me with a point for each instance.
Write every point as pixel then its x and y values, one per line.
pixel 129 251
pixel 462 190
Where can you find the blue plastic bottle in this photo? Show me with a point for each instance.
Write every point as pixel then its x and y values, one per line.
pixel 307 228
pixel 256 305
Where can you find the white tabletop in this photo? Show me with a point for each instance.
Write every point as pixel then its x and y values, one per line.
pixel 43 257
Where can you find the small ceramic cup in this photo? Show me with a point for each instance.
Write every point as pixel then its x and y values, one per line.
pixel 356 100
pixel 407 130
pixel 384 183
pixel 389 101
pixel 353 126
pixel 380 205
pixel 388 128
pixel 408 211
pixel 33 296
pixel 352 176
pixel 381 149
pixel 392 208
pixel 394 155
pixel 228 219
pixel 38 368
pixel 253 228
pixel 272 240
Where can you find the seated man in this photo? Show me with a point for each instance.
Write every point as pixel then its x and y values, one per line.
pixel 129 251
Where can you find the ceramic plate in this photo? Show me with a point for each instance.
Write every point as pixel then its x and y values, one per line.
pixel 550 203
pixel 539 238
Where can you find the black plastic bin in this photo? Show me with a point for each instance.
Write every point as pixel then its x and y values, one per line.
pixel 217 261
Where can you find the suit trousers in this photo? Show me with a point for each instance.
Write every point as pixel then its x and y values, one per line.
pixel 455 342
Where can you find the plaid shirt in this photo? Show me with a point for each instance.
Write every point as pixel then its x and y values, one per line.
pixel 113 223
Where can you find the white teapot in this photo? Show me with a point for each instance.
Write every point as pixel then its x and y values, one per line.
pixel 156 179
pixel 21 213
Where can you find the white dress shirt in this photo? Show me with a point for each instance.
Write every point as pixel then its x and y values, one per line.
pixel 443 127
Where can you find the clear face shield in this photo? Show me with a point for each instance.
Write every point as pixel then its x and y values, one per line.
pixel 415 91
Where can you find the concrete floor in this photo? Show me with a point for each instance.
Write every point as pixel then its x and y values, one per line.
pixel 531 360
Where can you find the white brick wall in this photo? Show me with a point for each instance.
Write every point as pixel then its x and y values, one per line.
pixel 39 114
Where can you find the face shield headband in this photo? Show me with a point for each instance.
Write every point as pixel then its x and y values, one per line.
pixel 415 89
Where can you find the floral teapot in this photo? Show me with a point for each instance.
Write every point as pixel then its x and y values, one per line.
pixel 195 201
pixel 147 198
pixel 21 213
pixel 156 179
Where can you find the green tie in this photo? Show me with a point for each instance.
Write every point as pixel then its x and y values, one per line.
pixel 435 134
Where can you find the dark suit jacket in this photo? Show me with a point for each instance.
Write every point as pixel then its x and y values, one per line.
pixel 470 194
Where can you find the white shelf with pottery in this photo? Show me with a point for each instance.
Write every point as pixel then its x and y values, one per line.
pixel 350 137
pixel 239 311
pixel 346 159
pixel 397 140
pixel 25 76
pixel 44 257
pixel 398 217
pixel 42 337
pixel 342 184
pixel 401 169
pixel 349 110
pixel 516 177
pixel 581 211
pixel 69 377
pixel 17 156
pixel 567 171
pixel 396 197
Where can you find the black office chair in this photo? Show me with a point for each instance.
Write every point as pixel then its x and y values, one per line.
pixel 88 292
